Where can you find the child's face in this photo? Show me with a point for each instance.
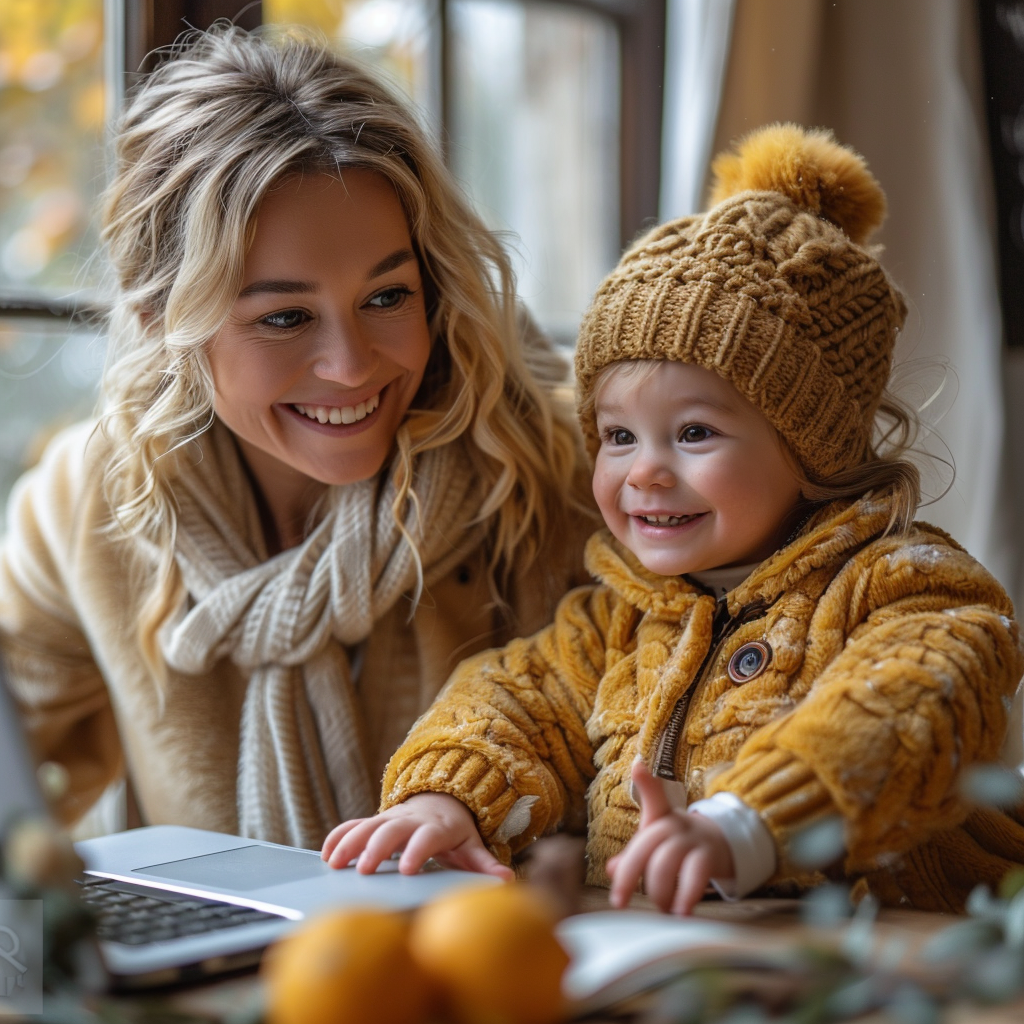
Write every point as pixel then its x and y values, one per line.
pixel 689 475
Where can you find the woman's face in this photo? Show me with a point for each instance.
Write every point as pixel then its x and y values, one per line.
pixel 327 340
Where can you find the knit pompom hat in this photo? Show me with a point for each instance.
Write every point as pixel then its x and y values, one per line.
pixel 772 288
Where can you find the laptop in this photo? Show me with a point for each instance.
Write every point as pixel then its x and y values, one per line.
pixel 177 904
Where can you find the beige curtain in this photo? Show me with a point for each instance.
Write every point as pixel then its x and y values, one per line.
pixel 901 82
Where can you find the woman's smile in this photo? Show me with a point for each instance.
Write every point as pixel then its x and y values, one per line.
pixel 326 414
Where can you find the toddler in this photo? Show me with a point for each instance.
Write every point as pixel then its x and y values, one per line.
pixel 773 641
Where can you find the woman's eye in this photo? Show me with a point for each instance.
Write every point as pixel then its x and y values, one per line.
pixel 286 319
pixel 691 435
pixel 389 298
pixel 621 436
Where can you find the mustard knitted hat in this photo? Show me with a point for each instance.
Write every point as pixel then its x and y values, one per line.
pixel 772 289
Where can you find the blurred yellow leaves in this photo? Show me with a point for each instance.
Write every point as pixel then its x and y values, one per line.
pixel 52 112
pixel 325 15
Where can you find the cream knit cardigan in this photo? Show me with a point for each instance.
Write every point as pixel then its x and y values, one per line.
pixel 260 727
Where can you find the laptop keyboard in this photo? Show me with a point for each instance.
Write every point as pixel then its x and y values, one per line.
pixel 136 915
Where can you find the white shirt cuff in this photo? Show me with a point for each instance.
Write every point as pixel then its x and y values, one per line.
pixel 753 849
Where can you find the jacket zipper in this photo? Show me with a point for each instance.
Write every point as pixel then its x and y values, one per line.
pixel 722 627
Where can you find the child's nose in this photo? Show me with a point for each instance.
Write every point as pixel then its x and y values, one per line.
pixel 650 470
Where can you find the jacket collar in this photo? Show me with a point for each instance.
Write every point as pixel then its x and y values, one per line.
pixel 828 537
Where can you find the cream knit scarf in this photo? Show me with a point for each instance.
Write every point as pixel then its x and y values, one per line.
pixel 286 620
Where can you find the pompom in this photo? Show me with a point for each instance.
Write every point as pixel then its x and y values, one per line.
pixel 811 168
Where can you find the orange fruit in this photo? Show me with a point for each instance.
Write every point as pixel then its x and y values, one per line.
pixel 493 951
pixel 346 967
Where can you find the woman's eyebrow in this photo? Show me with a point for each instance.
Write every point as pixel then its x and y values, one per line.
pixel 391 262
pixel 279 288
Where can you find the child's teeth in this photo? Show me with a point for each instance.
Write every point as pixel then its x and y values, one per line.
pixel 339 414
pixel 664 520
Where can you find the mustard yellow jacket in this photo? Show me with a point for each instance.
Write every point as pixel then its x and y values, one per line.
pixel 887 665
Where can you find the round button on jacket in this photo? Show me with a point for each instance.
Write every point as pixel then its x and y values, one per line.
pixel 749 661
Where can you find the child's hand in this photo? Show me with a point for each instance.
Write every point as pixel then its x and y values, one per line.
pixel 677 854
pixel 424 826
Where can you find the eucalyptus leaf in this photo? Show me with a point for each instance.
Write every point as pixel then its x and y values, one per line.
pixel 992 785
pixel 854 999
pixel 859 940
pixel 998 976
pixel 819 844
pixel 909 1005
pixel 825 906
pixel 982 904
pixel 961 941
pixel 1013 923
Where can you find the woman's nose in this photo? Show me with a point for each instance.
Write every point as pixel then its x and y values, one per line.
pixel 345 356
pixel 649 469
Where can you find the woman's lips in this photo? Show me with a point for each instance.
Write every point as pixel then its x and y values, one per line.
pixel 336 419
pixel 336 414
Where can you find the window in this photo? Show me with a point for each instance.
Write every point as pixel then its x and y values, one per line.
pixel 53 103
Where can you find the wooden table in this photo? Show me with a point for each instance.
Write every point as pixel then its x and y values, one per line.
pixel 780 921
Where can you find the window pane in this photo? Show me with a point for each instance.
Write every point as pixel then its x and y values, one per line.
pixel 402 36
pixel 49 373
pixel 52 106
pixel 535 138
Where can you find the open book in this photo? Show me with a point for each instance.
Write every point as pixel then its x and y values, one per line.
pixel 617 954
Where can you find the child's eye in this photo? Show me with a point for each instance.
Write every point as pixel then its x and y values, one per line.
pixel 390 297
pixel 693 434
pixel 286 319
pixel 620 436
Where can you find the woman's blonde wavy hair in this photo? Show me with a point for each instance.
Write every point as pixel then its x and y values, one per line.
pixel 199 145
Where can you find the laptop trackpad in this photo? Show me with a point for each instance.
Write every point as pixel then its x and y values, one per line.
pixel 242 869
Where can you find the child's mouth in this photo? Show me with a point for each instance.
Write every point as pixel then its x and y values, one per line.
pixel 667 520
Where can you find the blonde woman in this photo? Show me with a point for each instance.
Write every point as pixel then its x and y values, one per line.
pixel 331 458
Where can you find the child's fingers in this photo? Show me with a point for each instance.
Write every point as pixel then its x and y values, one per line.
pixel 631 862
pixel 429 840
pixel 336 835
pixel 474 856
pixel 693 880
pixel 352 842
pixel 661 874
pixel 390 836
pixel 654 802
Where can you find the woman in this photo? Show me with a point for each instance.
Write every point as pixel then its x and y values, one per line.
pixel 330 462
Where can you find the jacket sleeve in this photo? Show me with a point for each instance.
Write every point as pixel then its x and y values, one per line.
pixel 507 734
pixel 51 672
pixel 918 691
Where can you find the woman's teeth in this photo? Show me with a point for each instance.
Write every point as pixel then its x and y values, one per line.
pixel 335 414
pixel 666 520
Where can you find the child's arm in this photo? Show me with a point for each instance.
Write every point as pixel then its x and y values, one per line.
pixel 428 825
pixel 676 853
pixel 916 693
pixel 508 734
